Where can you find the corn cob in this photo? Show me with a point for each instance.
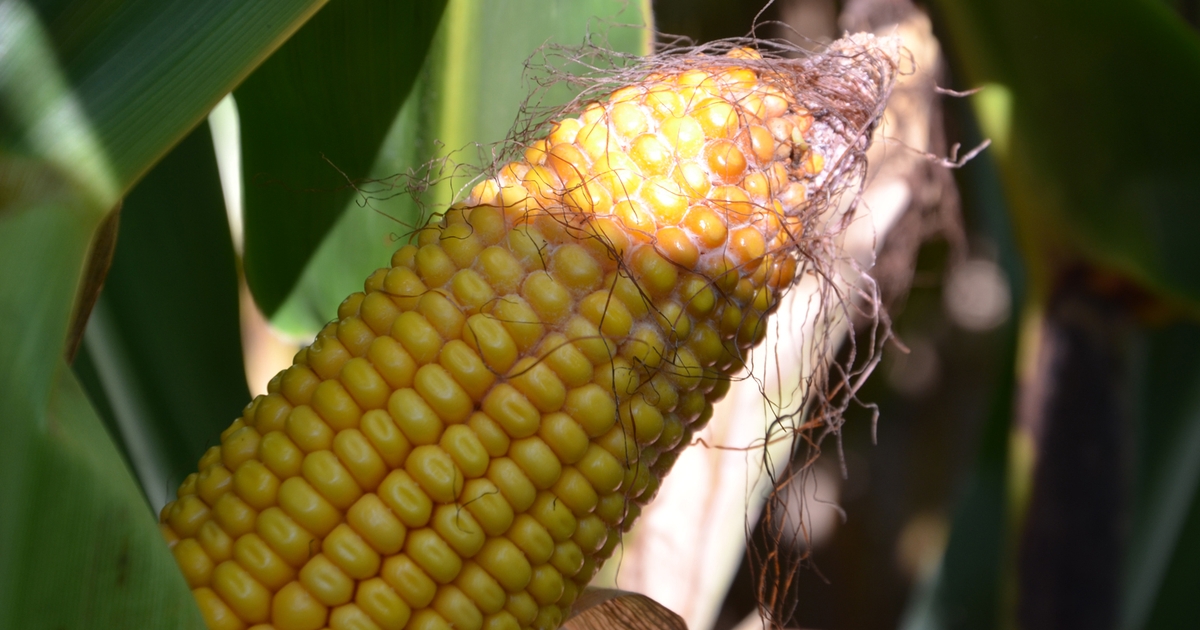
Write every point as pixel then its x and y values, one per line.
pixel 463 447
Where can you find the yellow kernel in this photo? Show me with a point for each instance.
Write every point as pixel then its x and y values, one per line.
pixel 467 368
pixel 609 314
pixel 693 179
pixel 195 564
pixel 617 172
pixel 513 483
pixel 326 356
pixel 378 312
pixel 212 482
pixel 294 608
pixel 537 460
pixel 594 139
pixel 684 135
pixel 419 422
pixel 188 486
pixel 427 619
pixel 389 442
pixel 531 538
pixel 747 244
pixel 621 444
pixel 589 197
pixel 406 499
pixel 601 469
pixel 291 541
pixel 628 119
pixel 646 346
pixel 459 529
pixel 488 337
pixel 567 558
pixel 442 314
pixel 655 274
pixel 241 446
pixel 630 294
pixel 404 287
pixel 217 615
pixel 443 394
pixel 554 515
pixel 354 334
pixel 434 265
pixel 665 199
pixel 636 218
pixel 512 410
pixel 433 555
pixel 354 451
pixel 617 378
pixel 574 490
pixel 570 593
pixel 490 434
pixel 233 428
pixel 762 145
pixel 297 385
pixel 523 607
pixel 271 412
pixel 548 618
pixel 410 581
pixel 491 510
pixel 304 504
pixel 505 562
pixel 566 360
pixel 521 321
pixel 249 599
pixel 471 290
pixel 726 161
pixel 612 509
pixel 642 419
pixel 392 362
pixel 502 270
pixel 460 244
pixel 564 131
pixel 280 454
pixel 261 562
pixel 418 336
pixel 567 162
pixel 434 469
pixel 345 548
pixel 488 223
pixel 333 403
pixel 466 450
pixel 650 154
pixel 187 515
pixel 327 583
pixel 482 588
pixel 351 617
pixel 732 203
pixel 329 477
pixel 381 602
pixel 405 256
pixel 372 520
pixel 363 383
pixel 458 609
pixel 549 299
pixel 256 485
pixel 216 543
pixel 564 436
pixel 593 408
pixel 540 385
pixel 590 533
pixel 676 246
pixel 716 116
pixel 546 585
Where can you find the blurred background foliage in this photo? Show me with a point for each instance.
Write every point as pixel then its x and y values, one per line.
pixel 112 170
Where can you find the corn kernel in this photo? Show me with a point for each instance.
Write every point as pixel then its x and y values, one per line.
pixel 380 601
pixel 436 472
pixel 418 421
pixel 291 541
pixel 464 447
pixel 217 616
pixel 197 567
pixel 307 507
pixel 512 482
pixel 409 580
pixel 389 442
pixel 531 538
pixel 505 562
pixel 537 460
pixel 482 588
pixel 262 563
pixel 351 617
pixel 433 555
pixel 249 599
pixel 351 553
pixel 484 501
pixel 256 485
pixel 329 477
pixel 326 582
pixel 406 499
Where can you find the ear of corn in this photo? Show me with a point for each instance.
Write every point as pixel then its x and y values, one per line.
pixel 464 445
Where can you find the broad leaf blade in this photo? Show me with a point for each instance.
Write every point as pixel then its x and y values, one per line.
pixel 162 349
pixel 379 109
pixel 1091 109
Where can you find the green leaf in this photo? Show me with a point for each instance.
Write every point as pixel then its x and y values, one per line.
pixel 367 92
pixel 1091 110
pixel 162 349
pixel 88 554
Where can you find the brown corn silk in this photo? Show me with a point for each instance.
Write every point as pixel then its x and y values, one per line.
pixel 465 444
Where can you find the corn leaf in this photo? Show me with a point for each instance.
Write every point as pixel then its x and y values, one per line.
pixel 1088 109
pixel 92 94
pixel 162 355
pixel 364 93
